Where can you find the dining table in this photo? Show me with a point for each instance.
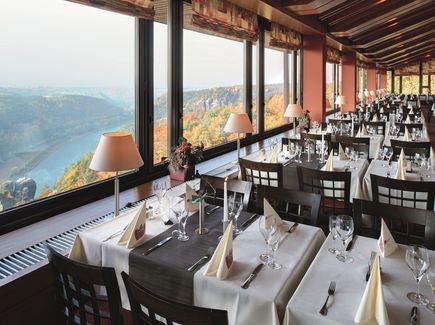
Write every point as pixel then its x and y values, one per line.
pixel 397 280
pixel 164 270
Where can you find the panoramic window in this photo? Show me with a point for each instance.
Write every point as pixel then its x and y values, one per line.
pixel 254 89
pixel 330 86
pixel 273 88
pixel 212 86
pixel 410 84
pixel 389 83
pixel 67 76
pixel 291 71
pixel 160 131
pixel 397 88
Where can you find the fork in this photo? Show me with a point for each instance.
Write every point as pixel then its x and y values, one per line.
pixel 331 291
pixel 201 260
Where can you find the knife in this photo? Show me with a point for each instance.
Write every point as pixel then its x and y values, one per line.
pixel 249 221
pixel 160 243
pixel 414 316
pixel 252 276
pixel 350 244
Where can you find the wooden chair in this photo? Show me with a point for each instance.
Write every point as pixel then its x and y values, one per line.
pixel 233 186
pixel 362 145
pixel 412 220
pixel 260 173
pixel 379 127
pixel 291 205
pixel 410 147
pixel 334 187
pixel 172 312
pixel 410 126
pixel 77 298
pixel 419 195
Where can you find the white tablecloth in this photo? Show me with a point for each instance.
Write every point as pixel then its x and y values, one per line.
pixel 397 279
pixel 376 168
pixel 262 303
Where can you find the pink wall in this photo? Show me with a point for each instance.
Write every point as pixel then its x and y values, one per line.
pixel 314 88
pixel 348 77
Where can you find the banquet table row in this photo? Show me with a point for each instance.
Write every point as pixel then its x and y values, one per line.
pixel 164 271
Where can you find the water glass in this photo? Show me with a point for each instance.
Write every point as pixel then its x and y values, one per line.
pixel 333 232
pixel 344 228
pixel 273 242
pixel 235 205
pixel 431 279
pixel 181 213
pixel 417 259
pixel 159 191
pixel 266 227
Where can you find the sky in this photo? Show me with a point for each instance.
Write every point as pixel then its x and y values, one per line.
pixel 56 43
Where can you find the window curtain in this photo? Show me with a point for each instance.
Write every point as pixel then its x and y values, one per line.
pixel 137 8
pixel 333 55
pixel 362 64
pixel 223 18
pixel 282 37
pixel 407 70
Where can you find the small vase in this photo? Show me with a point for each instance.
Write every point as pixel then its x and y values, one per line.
pixel 183 175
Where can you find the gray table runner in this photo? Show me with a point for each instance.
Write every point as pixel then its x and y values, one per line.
pixel 164 271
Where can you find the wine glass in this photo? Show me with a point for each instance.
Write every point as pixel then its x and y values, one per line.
pixel 417 259
pixel 298 152
pixel 344 228
pixel 273 241
pixel 235 206
pixel 181 213
pixel 333 232
pixel 431 279
pixel 266 225
pixel 159 191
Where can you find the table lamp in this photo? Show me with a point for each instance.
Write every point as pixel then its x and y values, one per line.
pixel 238 123
pixel 116 152
pixel 294 111
pixel 340 101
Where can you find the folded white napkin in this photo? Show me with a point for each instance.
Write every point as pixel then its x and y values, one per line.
pixel 222 259
pixel 134 235
pixel 270 214
pixel 408 119
pixel 274 155
pixel 388 105
pixel 409 106
pixel 372 306
pixel 329 166
pixel 411 112
pixel 359 134
pixel 386 243
pixel 378 152
pixel 364 130
pixel 329 128
pixel 400 174
pixel 191 207
pixel 406 136
pixel 341 154
pixel 382 110
pixel 375 118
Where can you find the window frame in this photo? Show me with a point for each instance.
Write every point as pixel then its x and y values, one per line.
pixel 42 209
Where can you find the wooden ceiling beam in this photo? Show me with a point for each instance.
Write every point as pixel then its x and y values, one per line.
pixel 408 56
pixel 404 46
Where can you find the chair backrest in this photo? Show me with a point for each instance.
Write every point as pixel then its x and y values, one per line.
pixel 288 141
pixel 289 204
pixel 379 127
pixel 259 173
pixel 399 220
pixel 334 187
pixel 233 186
pixel 318 137
pixel 362 145
pixel 405 193
pixel 85 293
pixel 410 147
pixel 410 126
pixel 172 312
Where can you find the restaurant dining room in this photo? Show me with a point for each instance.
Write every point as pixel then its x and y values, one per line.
pixel 214 162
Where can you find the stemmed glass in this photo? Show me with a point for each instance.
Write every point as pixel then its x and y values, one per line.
pixel 159 191
pixel 333 232
pixel 274 239
pixel 235 206
pixel 417 259
pixel 298 152
pixel 266 227
pixel 389 155
pixel 181 213
pixel 431 279
pixel 344 228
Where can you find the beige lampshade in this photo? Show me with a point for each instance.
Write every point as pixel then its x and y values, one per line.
pixel 361 95
pixel 294 110
pixel 366 93
pixel 341 100
pixel 372 92
pixel 238 123
pixel 116 151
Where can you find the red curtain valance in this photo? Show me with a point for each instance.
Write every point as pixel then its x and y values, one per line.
pixel 333 55
pixel 224 18
pixel 284 38
pixel 137 8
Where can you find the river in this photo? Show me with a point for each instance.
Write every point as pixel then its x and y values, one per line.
pixel 53 166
